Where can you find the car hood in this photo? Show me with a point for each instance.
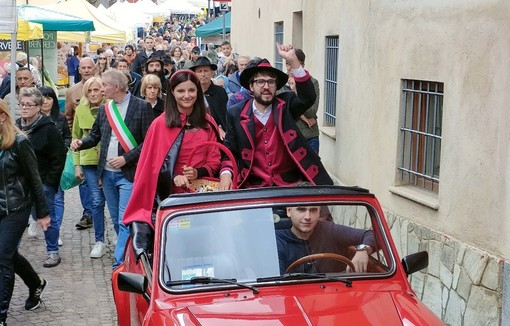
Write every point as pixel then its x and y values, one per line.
pixel 354 308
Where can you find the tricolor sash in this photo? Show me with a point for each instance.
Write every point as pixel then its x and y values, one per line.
pixel 126 139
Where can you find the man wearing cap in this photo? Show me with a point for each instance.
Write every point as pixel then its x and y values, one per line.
pixel 262 133
pixel 195 54
pixel 142 57
pixel 215 96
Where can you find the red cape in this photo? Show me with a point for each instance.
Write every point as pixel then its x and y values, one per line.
pixel 155 147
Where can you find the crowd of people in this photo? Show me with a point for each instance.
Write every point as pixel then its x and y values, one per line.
pixel 132 117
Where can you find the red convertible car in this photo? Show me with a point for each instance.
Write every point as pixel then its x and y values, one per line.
pixel 274 256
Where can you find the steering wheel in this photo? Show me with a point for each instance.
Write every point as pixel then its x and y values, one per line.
pixel 337 257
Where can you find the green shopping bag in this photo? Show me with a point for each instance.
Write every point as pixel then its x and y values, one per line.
pixel 68 179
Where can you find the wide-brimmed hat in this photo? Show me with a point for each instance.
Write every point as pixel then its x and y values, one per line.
pixel 156 56
pixel 263 65
pixel 204 61
pixel 167 60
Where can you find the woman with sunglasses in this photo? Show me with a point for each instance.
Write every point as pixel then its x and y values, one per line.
pixel 102 64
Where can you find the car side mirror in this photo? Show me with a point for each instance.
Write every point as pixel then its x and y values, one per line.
pixel 133 283
pixel 415 262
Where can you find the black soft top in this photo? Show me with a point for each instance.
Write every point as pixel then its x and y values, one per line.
pixel 261 193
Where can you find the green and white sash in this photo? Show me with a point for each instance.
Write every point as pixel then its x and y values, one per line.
pixel 126 139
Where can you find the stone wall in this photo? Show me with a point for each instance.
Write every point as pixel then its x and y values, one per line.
pixel 462 284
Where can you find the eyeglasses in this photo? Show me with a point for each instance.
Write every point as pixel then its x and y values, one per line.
pixel 27 105
pixel 262 82
pixel 102 58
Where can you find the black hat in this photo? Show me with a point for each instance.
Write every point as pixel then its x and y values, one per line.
pixel 263 65
pixel 156 56
pixel 204 61
pixel 167 60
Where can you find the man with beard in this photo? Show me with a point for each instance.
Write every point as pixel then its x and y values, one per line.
pixel 262 132
pixel 155 66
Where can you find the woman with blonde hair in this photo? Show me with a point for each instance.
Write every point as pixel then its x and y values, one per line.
pixel 20 189
pixel 151 92
pixel 85 161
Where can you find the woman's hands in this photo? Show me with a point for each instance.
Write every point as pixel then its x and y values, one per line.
pixel 189 173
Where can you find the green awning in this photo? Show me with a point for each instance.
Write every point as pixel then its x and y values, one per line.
pixel 214 27
pixel 54 21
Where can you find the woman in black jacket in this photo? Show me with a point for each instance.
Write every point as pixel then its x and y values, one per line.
pixel 50 151
pixel 51 108
pixel 20 189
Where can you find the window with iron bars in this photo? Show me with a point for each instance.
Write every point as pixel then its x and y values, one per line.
pixel 330 79
pixel 420 134
pixel 278 38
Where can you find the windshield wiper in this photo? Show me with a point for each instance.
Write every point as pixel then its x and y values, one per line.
pixel 210 280
pixel 304 276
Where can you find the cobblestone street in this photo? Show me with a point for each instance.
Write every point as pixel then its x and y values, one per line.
pixel 79 289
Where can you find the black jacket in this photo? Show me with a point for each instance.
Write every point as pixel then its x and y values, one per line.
pixel 217 99
pixel 20 184
pixel 138 63
pixel 287 108
pixel 138 118
pixel 49 149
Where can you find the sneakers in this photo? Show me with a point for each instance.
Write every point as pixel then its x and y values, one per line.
pixel 60 242
pixel 34 297
pixel 52 260
pixel 98 251
pixel 84 223
pixel 32 229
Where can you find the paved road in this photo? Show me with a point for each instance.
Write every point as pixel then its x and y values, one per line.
pixel 79 289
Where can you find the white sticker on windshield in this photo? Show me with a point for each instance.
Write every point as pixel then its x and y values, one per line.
pixel 180 224
pixel 188 272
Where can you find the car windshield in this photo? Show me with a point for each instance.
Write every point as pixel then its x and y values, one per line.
pixel 267 244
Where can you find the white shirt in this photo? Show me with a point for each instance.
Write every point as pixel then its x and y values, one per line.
pixel 114 141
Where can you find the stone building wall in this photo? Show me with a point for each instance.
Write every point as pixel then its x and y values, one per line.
pixel 462 284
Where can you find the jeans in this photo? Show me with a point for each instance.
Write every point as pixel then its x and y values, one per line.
pixel 86 202
pixel 314 144
pixel 53 232
pixel 97 200
pixel 11 230
pixel 59 206
pixel 117 191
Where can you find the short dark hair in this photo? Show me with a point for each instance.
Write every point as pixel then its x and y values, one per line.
pixel 300 56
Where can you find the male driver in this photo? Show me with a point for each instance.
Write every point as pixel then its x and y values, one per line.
pixel 308 235
pixel 87 69
pixel 141 58
pixel 262 133
pixel 120 126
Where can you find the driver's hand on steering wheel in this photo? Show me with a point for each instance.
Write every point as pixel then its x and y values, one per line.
pixel 360 262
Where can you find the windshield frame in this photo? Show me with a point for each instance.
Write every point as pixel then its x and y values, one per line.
pixel 379 233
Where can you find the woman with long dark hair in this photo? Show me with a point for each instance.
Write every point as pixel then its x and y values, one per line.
pixel 51 108
pixel 20 189
pixel 162 168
